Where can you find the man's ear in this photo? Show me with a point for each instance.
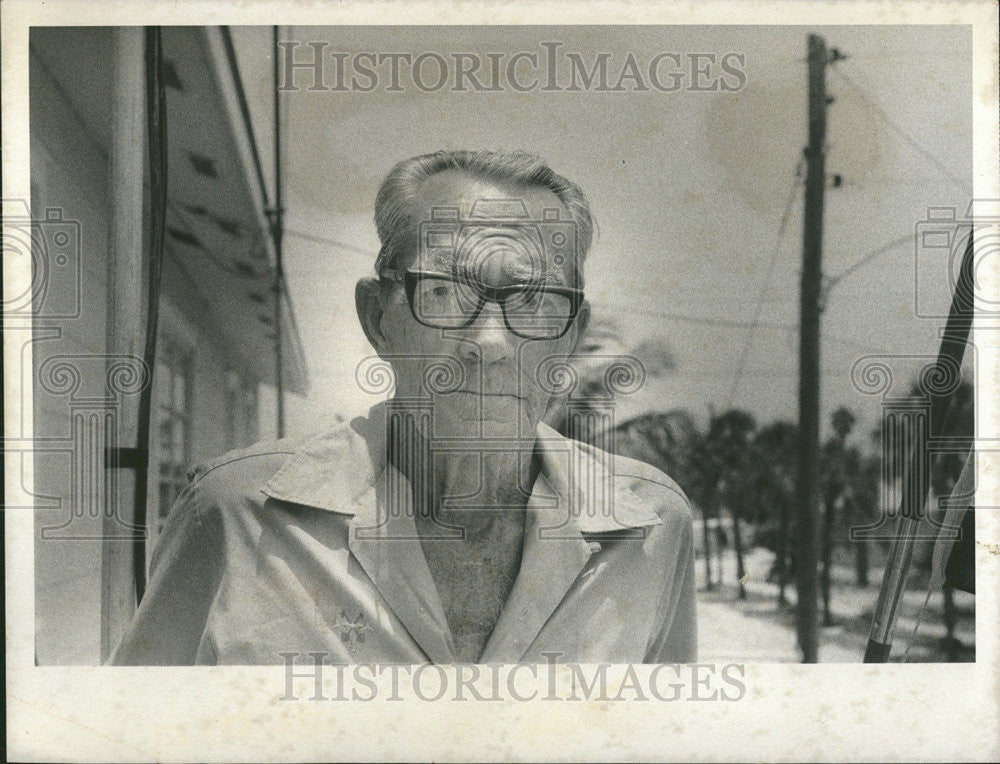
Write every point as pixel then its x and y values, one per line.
pixel 371 307
pixel 580 325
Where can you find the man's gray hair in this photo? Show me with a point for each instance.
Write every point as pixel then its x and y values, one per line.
pixel 394 202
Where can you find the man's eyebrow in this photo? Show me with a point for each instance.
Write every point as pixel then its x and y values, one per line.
pixel 440 261
pixel 517 272
pixel 525 271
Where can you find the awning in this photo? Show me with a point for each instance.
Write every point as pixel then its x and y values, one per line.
pixel 219 260
pixel 216 223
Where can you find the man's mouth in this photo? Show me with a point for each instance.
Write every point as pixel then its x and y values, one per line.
pixel 488 395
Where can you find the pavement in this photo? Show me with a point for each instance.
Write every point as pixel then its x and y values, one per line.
pixel 758 630
pixel 754 630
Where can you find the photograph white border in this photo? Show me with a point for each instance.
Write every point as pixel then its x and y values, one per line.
pixel 789 712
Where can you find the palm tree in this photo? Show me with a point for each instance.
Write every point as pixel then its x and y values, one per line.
pixel 664 439
pixel 863 475
pixel 833 485
pixel 725 470
pixel 869 501
pixel 591 371
pixel 774 452
pixel 671 442
pixel 703 492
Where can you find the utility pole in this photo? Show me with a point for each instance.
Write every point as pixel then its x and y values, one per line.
pixel 812 247
pixel 277 231
pixel 125 311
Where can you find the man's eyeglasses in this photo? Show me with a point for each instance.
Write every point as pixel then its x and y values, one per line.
pixel 450 301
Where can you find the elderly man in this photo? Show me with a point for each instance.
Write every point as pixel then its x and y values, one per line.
pixel 450 524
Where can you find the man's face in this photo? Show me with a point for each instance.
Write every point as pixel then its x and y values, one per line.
pixel 497 391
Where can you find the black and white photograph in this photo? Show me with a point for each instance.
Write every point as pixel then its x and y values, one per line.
pixel 524 381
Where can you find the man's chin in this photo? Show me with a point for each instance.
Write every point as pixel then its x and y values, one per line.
pixel 499 415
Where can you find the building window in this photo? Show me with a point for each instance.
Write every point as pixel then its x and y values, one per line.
pixel 172 430
pixel 241 410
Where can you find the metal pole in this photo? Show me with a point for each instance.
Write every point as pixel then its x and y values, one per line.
pixel 278 232
pixel 947 369
pixel 156 134
pixel 124 313
pixel 812 272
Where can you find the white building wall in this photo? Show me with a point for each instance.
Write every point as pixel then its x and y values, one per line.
pixel 69 174
pixel 69 170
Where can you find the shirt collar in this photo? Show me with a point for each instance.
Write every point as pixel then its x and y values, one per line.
pixel 336 471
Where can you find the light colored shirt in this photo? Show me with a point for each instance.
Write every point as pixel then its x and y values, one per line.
pixel 303 546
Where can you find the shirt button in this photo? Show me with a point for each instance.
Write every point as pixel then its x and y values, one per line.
pixel 595 546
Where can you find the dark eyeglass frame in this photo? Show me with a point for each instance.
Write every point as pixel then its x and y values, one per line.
pixel 485 293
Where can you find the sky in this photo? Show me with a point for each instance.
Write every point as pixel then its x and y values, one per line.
pixel 695 194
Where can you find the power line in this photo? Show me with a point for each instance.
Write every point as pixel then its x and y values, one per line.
pixel 899 130
pixel 827 371
pixel 327 240
pixel 725 323
pixel 865 259
pixel 745 352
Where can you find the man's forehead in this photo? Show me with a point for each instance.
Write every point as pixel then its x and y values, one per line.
pixel 457 188
pixel 475 198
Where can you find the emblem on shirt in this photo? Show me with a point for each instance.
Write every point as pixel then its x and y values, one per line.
pixel 351 629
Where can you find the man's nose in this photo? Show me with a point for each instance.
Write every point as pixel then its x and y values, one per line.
pixel 488 340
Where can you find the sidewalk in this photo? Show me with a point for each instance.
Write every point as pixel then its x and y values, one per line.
pixel 727 635
pixel 756 630
pixel 753 630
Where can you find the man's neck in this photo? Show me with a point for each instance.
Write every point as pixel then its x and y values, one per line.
pixel 470 518
pixel 472 488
